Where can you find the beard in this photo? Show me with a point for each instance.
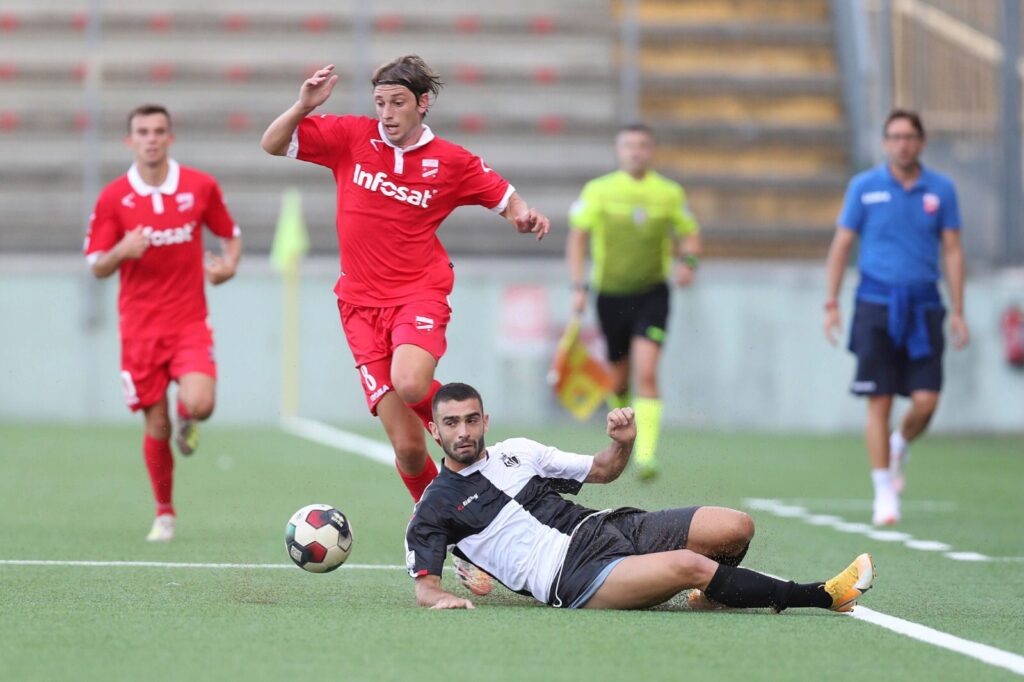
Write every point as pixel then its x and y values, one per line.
pixel 464 456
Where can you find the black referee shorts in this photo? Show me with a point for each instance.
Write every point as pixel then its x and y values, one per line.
pixel 884 369
pixel 603 540
pixel 624 316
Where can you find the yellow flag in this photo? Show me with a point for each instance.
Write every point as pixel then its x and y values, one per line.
pixel 291 240
pixel 580 382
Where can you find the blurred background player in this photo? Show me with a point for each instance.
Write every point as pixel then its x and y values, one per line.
pixel 396 183
pixel 636 221
pixel 147 225
pixel 502 507
pixel 908 219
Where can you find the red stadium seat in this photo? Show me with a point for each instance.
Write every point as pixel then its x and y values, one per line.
pixel 236 23
pixel 468 23
pixel 317 23
pixel 542 24
pixel 472 123
pixel 159 22
pixel 162 72
pixel 468 74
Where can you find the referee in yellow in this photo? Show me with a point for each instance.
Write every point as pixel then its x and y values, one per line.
pixel 640 231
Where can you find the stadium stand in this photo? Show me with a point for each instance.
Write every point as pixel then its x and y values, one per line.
pixel 744 96
pixel 747 102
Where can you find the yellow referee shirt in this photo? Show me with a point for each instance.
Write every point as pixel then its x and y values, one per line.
pixel 632 224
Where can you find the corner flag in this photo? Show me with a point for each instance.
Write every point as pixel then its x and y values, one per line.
pixel 580 382
pixel 291 240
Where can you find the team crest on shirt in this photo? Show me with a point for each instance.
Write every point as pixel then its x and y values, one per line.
pixel 931 203
pixel 186 200
pixel 639 216
pixel 430 168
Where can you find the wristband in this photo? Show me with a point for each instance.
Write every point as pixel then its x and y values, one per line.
pixel 689 260
pixel 581 286
pixel 831 305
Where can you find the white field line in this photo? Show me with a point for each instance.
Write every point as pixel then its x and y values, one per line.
pixel 370 449
pixel 787 510
pixel 342 440
pixel 923 633
pixel 172 564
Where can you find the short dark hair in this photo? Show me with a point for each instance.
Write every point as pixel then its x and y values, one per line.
pixel 410 71
pixel 148 110
pixel 455 391
pixel 636 127
pixel 906 115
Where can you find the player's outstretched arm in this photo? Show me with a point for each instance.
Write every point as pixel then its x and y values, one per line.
pixel 315 91
pixel 430 594
pixel 132 245
pixel 610 462
pixel 524 218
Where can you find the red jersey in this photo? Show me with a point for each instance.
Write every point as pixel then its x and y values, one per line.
pixel 163 290
pixel 391 202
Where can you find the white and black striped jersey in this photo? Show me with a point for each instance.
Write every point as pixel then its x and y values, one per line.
pixel 504 513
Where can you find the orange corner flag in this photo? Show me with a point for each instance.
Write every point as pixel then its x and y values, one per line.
pixel 580 382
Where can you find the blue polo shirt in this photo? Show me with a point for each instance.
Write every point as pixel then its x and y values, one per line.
pixel 900 230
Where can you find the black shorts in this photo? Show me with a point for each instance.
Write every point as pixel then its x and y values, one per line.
pixel 624 316
pixel 603 540
pixel 884 369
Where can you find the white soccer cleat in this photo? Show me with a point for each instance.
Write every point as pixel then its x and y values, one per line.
pixel 886 509
pixel 474 578
pixel 899 455
pixel 163 528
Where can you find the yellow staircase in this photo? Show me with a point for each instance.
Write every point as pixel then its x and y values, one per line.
pixel 746 100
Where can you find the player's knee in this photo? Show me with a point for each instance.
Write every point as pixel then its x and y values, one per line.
pixel 742 528
pixel 200 407
pixel 689 567
pixel 925 405
pixel 411 388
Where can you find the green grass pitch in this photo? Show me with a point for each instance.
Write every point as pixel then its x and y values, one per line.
pixel 77 493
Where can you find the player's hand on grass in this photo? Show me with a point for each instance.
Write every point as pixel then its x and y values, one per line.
pixel 532 220
pixel 450 601
pixel 133 244
pixel 218 270
pixel 622 425
pixel 317 88
pixel 833 326
pixel 958 331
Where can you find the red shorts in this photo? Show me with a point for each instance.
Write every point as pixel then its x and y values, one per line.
pixel 149 365
pixel 373 334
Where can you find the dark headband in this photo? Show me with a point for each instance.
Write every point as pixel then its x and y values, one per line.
pixel 400 81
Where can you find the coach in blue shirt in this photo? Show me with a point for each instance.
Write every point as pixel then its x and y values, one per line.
pixel 906 216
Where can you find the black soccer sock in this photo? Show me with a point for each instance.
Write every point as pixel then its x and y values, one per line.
pixel 744 589
pixel 731 559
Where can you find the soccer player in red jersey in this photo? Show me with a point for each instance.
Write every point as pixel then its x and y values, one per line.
pixel 396 183
pixel 147 225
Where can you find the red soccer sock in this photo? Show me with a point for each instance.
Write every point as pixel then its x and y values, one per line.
pixel 422 408
pixel 183 411
pixel 418 483
pixel 160 463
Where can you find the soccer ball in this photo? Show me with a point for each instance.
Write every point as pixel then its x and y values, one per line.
pixel 318 538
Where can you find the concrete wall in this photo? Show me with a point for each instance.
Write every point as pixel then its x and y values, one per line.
pixel 744 352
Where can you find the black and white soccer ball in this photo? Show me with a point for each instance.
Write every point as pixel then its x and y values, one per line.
pixel 318 538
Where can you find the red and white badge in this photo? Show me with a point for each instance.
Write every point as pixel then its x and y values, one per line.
pixel 931 203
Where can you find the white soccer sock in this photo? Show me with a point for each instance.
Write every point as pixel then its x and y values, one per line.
pixel 897 443
pixel 882 481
